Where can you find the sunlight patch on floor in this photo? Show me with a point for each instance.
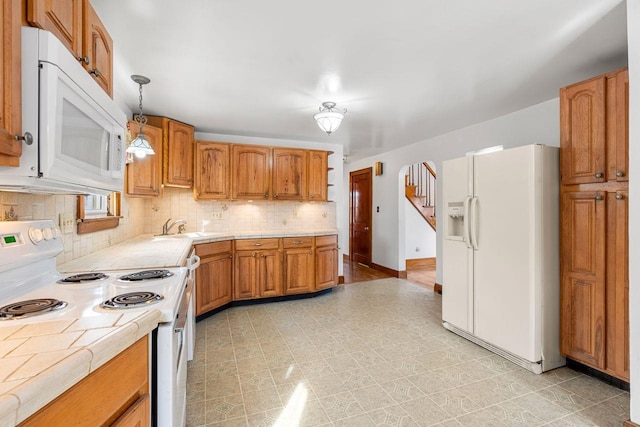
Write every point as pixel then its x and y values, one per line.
pixel 292 412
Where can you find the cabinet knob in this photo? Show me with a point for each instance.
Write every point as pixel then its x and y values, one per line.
pixel 619 174
pixel 95 72
pixel 619 196
pixel 254 254
pixel 311 196
pixel 598 197
pixel 263 256
pixel 27 138
pixel 266 195
pixel 230 256
pixel 310 252
pixel 275 196
pixel 297 242
pixel 598 175
pixel 257 244
pixel 84 59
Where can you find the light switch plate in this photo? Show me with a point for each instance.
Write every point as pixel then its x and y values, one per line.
pixel 67 221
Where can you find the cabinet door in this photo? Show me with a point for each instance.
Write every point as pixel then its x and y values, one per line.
pixel 143 175
pixel 97 45
pixel 62 18
pixel 582 132
pixel 211 180
pixel 318 175
pixel 299 271
pixel 618 284
pixel 178 155
pixel 10 95
pixel 214 282
pixel 269 273
pixel 244 278
pixel 326 267
pixel 289 174
pixel 618 126
pixel 582 293
pixel 251 169
pixel 138 414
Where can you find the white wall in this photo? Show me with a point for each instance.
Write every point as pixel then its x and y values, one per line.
pixel 536 124
pixel 633 40
pixel 336 192
pixel 420 240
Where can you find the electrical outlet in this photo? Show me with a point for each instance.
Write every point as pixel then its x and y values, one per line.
pixel 216 215
pixel 67 221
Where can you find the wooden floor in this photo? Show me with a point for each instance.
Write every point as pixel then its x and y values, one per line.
pixel 354 272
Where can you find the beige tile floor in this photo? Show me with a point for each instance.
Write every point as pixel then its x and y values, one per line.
pixel 374 353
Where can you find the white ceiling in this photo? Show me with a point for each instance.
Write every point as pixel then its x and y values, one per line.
pixel 406 70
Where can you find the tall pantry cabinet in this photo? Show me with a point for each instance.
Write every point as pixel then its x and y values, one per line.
pixel 594 253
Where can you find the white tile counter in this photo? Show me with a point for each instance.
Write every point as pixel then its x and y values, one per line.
pixel 148 251
pixel 40 361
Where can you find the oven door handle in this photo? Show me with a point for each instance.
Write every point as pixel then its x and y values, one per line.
pixel 195 262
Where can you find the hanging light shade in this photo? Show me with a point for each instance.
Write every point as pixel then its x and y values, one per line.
pixel 140 147
pixel 329 117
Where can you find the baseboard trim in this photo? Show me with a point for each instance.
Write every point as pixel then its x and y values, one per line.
pixel 630 423
pixel 437 287
pixel 421 262
pixel 340 280
pixel 390 271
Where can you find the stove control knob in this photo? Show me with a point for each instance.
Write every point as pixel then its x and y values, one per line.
pixel 36 236
pixel 47 233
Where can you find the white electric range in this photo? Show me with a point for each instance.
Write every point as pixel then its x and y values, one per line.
pixel 31 290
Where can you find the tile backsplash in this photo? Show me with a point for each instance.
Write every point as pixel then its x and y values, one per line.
pixel 24 207
pixel 235 215
pixel 148 215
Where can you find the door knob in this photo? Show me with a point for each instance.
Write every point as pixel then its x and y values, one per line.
pixel 366 229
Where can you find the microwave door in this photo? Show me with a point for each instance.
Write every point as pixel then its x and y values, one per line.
pixel 76 136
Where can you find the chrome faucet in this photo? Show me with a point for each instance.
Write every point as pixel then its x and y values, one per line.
pixel 182 224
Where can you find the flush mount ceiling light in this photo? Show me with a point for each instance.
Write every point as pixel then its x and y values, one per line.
pixel 329 117
pixel 140 147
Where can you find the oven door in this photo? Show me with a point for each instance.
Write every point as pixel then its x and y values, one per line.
pixel 172 367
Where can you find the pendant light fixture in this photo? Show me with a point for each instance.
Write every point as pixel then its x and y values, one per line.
pixel 329 117
pixel 140 147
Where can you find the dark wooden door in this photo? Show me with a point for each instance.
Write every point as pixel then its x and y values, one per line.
pixel 360 199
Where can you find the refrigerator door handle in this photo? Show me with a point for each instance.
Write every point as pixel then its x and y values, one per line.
pixel 465 227
pixel 473 220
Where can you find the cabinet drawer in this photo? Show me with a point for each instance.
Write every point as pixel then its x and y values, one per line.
pixel 327 240
pixel 297 242
pixel 213 248
pixel 257 244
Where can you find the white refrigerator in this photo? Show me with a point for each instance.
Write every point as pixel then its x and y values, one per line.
pixel 501 278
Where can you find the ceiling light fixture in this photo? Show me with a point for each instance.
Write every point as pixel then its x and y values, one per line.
pixel 329 117
pixel 140 147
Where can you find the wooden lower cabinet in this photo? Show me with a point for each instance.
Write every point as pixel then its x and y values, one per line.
pixel 258 269
pixel 595 284
pixel 114 394
pixel 299 265
pixel 326 262
pixel 214 277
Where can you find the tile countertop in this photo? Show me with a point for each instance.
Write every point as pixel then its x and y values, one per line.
pixel 148 251
pixel 40 361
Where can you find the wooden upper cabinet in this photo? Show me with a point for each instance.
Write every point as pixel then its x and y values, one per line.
pixel 594 130
pixel 10 94
pixel 582 132
pixel 318 161
pixel 61 17
pixel 582 295
pixel 251 172
pixel 177 151
pixel 144 175
pixel 212 171
pixel 97 46
pixel 289 174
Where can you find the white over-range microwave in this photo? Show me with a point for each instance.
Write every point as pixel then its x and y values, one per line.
pixel 77 129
